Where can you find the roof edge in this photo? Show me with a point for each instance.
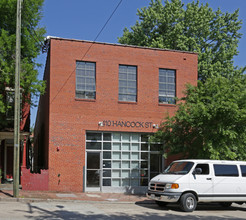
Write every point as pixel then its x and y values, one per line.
pixel 48 38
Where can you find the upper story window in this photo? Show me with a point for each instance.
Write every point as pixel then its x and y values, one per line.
pixel 85 80
pixel 127 83
pixel 167 86
pixel 10 101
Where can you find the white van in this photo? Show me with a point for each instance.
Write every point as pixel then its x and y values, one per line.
pixel 191 181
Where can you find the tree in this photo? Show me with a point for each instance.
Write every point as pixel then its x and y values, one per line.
pixel 212 34
pixel 211 123
pixel 211 118
pixel 31 37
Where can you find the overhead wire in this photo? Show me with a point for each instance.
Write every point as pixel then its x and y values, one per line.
pixel 105 24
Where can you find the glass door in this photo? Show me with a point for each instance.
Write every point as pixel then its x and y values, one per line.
pixel 93 171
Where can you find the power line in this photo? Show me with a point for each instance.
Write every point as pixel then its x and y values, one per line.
pixel 88 49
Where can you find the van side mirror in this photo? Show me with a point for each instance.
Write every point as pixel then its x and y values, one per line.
pixel 197 171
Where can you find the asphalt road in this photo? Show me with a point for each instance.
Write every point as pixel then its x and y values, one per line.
pixel 96 210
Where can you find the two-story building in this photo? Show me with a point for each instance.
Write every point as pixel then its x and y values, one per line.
pixel 102 102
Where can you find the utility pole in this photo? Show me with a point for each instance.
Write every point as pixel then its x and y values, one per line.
pixel 16 170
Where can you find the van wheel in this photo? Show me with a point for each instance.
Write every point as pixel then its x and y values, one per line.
pixel 161 204
pixel 225 204
pixel 188 202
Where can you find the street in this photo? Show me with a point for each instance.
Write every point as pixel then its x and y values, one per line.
pixel 108 210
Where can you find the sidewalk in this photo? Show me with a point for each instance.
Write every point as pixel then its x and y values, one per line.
pixel 32 196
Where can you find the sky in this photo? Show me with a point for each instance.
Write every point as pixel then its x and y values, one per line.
pixel 84 19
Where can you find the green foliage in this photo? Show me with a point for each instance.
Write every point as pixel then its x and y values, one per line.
pixel 31 36
pixel 212 34
pixel 210 121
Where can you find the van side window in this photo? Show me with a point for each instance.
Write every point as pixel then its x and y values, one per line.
pixel 204 167
pixel 243 170
pixel 225 170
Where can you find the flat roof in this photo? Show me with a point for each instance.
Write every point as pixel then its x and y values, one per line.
pixel 115 44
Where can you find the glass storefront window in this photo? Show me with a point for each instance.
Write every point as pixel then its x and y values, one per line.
pixel 128 159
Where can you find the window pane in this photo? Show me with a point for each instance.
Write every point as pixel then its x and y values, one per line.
pixel 125 173
pixel 144 155
pixel 225 170
pixel 116 146
pixel 144 173
pixel 106 182
pixel 125 182
pixel 93 145
pixel 135 165
pixel 106 155
pixel 135 147
pixel 204 167
pixel 144 147
pixel 116 155
pixel 116 164
pixel 135 173
pixel 155 147
pixel 85 80
pixel 243 169
pixel 144 138
pixel 125 146
pixel 106 146
pixel 135 182
pixel 106 164
pixel 127 83
pixel 126 137
pixel 167 86
pixel 93 136
pixel 116 136
pixel 106 173
pixel 125 156
pixel 135 156
pixel 107 136
pixel 155 163
pixel 116 173
pixel 125 164
pixel 115 182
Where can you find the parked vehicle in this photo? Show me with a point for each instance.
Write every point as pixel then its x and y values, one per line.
pixel 189 182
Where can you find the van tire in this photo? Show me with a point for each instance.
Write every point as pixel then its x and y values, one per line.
pixel 188 202
pixel 161 204
pixel 225 204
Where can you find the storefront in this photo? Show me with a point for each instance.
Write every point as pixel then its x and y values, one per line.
pixel 120 161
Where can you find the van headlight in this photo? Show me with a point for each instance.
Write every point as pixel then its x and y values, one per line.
pixel 172 186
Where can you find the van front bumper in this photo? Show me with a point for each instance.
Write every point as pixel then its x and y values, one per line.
pixel 163 196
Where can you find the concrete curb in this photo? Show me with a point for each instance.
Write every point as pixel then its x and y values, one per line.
pixel 33 200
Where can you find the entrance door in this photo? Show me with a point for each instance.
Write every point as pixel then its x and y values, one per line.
pixel 93 171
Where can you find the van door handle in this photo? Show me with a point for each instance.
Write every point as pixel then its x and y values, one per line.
pixel 209 178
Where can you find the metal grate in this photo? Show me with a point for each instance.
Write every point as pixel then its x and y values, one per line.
pixel 157 187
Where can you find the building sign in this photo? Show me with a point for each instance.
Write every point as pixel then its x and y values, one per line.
pixel 128 124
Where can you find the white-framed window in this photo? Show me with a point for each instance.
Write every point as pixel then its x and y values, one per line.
pixel 127 83
pixel 85 80
pixel 167 86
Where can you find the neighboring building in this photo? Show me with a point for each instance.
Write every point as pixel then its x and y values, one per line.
pixel 102 101
pixel 7 140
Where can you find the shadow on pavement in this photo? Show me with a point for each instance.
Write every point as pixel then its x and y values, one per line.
pixel 61 213
pixel 200 207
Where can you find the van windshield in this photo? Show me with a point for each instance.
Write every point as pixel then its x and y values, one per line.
pixel 180 168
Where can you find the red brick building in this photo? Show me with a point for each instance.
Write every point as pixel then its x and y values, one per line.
pixel 7 140
pixel 102 101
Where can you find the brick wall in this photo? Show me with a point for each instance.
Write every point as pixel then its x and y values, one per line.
pixel 34 181
pixel 70 118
